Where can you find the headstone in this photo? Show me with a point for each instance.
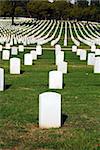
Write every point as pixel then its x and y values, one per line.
pixel 62 67
pixel 39 50
pixel 97 65
pixel 57 49
pixel 93 48
pixel 7 46
pixel 83 55
pixel 59 57
pixel 1 79
pixel 91 59
pixel 97 52
pixel 49 110
pixel 34 55
pixel 27 59
pixel 74 48
pixel 55 80
pixel 5 54
pixel 14 65
pixel 0 48
pixel 65 42
pixel 78 52
pixel 14 51
pixel 21 48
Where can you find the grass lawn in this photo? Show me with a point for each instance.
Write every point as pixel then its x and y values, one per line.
pixel 80 107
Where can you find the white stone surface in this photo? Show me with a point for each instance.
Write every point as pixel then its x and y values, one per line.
pixel 14 65
pixel 93 48
pixel 0 48
pixel 49 110
pixel 34 55
pixel 83 55
pixel 21 48
pixel 62 67
pixel 97 65
pixel 97 52
pixel 91 59
pixel 74 48
pixel 7 46
pixel 59 57
pixel 78 52
pixel 27 59
pixel 5 54
pixel 14 50
pixel 57 49
pixel 39 50
pixel 1 79
pixel 55 80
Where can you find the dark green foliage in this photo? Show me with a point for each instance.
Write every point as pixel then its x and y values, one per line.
pixel 42 9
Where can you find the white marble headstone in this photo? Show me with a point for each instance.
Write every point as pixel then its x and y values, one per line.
pixel 1 79
pixel 5 54
pixel 97 65
pixel 62 66
pixel 49 110
pixel 93 48
pixel 21 48
pixel 74 48
pixel 97 52
pixel 78 52
pixel 91 59
pixel 14 50
pixel 57 49
pixel 55 80
pixel 59 57
pixel 34 55
pixel 83 55
pixel 14 65
pixel 27 59
pixel 0 48
pixel 39 50
pixel 7 46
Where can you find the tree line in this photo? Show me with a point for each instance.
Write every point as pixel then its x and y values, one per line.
pixel 60 9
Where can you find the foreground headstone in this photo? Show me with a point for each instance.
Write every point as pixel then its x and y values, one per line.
pixel 55 80
pixel 0 48
pixel 21 48
pixel 39 50
pixel 34 55
pixel 49 110
pixel 59 57
pixel 74 48
pixel 1 79
pixel 27 59
pixel 97 65
pixel 62 67
pixel 14 50
pixel 83 55
pixel 91 59
pixel 15 66
pixel 5 54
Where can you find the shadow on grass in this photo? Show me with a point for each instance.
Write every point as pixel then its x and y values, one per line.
pixel 7 86
pixel 21 72
pixel 64 117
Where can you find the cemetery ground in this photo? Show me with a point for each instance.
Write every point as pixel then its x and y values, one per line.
pixel 19 105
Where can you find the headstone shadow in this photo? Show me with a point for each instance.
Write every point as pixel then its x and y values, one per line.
pixel 64 117
pixel 7 86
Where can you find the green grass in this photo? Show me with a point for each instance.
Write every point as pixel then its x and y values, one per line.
pixel 80 105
